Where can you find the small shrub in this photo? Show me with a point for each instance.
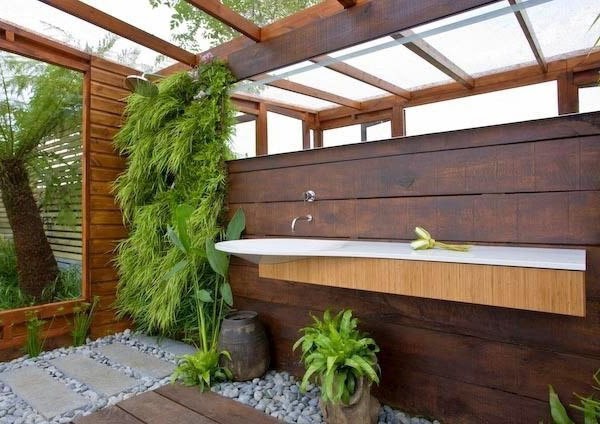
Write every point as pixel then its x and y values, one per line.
pixel 202 369
pixel 338 354
pixel 82 319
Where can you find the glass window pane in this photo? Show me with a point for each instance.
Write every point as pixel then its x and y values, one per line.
pixel 243 141
pixel 589 99
pixel 341 136
pixel 284 133
pixel 500 107
pixel 381 131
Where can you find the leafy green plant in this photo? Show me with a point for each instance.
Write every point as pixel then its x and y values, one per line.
pixel 34 345
pixel 212 299
pixel 588 405
pixel 177 144
pixel 82 318
pixel 338 354
pixel 202 369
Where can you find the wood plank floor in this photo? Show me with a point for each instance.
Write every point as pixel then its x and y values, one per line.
pixel 176 404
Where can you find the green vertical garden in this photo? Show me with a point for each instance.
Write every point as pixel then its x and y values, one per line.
pixel 176 141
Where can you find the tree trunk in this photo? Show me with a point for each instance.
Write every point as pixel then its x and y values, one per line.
pixel 36 265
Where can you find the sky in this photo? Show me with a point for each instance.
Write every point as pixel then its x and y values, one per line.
pixel 561 26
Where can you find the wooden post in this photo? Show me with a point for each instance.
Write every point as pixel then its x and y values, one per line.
pixel 363 132
pixel 568 94
pixel 318 138
pixel 305 135
pixel 261 131
pixel 398 128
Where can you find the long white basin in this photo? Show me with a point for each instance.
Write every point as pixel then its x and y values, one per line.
pixel 277 250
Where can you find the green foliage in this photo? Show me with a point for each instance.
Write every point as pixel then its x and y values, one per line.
pixel 66 286
pixel 193 25
pixel 39 102
pixel 588 405
pixel 34 345
pixel 211 303
pixel 82 318
pixel 338 354
pixel 176 143
pixel 202 369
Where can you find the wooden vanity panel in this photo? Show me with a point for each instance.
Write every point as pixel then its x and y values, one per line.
pixel 533 289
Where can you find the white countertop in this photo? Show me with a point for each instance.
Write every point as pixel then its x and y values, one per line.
pixel 277 250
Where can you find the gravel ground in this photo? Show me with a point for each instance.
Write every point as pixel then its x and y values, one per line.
pixel 277 393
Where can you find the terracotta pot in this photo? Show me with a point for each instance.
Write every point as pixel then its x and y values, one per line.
pixel 362 407
pixel 244 337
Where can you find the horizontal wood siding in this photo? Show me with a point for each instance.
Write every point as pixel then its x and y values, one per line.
pixel 534 183
pixel 105 224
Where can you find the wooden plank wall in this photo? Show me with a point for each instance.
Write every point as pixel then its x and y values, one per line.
pixel 65 238
pixel 105 223
pixel 531 183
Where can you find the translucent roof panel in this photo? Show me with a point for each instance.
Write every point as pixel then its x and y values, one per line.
pixel 336 83
pixel 139 13
pixel 277 94
pixel 397 65
pixel 481 47
pixel 563 26
pixel 53 23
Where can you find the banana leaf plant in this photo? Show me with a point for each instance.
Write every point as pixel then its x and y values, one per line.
pixel 212 299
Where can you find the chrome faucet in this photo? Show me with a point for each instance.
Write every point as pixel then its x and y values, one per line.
pixel 307 218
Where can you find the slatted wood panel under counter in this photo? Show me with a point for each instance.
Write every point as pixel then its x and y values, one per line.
pixel 534 289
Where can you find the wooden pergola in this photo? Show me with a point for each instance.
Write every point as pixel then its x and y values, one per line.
pixel 329 26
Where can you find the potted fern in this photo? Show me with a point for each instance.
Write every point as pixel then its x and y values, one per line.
pixel 343 362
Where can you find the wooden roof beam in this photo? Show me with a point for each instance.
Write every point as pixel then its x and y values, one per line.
pixel 361 23
pixel 527 29
pixel 433 56
pixel 357 74
pixel 310 91
pixel 119 27
pixel 229 17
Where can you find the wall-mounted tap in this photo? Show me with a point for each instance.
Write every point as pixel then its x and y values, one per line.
pixel 307 218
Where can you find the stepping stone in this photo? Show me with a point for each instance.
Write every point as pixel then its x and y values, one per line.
pixel 100 378
pixel 142 362
pixel 43 393
pixel 174 347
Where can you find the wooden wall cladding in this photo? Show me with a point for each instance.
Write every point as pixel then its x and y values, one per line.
pixel 105 223
pixel 530 183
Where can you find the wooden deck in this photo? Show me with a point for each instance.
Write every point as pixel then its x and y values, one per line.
pixel 176 404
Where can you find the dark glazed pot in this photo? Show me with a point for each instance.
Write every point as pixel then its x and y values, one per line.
pixel 244 337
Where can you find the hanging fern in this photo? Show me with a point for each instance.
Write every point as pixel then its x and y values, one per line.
pixel 176 143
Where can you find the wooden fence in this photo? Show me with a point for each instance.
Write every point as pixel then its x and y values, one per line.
pixel 64 234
